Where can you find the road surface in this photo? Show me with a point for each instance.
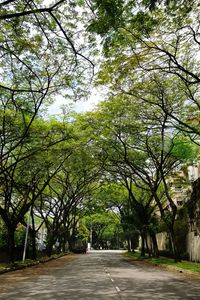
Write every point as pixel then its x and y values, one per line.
pixel 96 275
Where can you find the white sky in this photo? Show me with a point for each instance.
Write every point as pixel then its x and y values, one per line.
pixel 48 2
pixel 78 106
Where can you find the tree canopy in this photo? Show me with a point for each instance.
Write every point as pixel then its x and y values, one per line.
pixel 111 167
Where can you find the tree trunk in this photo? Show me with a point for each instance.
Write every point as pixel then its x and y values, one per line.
pixel 60 244
pixel 49 248
pixel 147 246
pixel 33 237
pixel 64 242
pixel 155 245
pixel 173 245
pixel 129 245
pixel 50 243
pixel 11 243
pixel 143 245
pixel 132 246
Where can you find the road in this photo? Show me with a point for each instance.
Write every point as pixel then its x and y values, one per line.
pixel 96 275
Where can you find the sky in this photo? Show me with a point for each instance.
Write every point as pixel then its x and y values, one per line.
pixel 78 106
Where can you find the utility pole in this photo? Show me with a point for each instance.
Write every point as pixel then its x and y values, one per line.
pixel 91 237
pixel 26 237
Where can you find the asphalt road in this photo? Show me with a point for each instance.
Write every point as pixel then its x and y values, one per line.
pixel 97 275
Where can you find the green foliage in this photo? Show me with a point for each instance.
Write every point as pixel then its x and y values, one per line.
pixel 184 149
pixel 108 15
pixel 105 228
pixel 20 236
pixel 171 5
pixel 167 262
pixel 3 234
pixel 181 230
pixel 143 22
pixel 83 232
pixel 118 157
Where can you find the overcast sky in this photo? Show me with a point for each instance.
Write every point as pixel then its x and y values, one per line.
pixel 79 106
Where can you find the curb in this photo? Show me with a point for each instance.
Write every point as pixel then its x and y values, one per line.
pixel 34 263
pixel 166 267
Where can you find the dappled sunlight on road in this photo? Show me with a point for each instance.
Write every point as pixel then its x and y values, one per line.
pixel 107 251
pixel 102 274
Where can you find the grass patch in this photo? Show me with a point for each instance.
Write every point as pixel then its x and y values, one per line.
pixel 28 262
pixel 167 262
pixel 3 267
pixel 17 265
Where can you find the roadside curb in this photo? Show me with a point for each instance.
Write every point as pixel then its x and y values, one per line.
pixel 16 267
pixel 164 267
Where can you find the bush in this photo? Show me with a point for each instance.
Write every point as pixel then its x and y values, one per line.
pixel 185 256
pixel 165 253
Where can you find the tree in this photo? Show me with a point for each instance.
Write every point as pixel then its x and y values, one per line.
pixel 26 173
pixel 104 225
pixel 158 52
pixel 40 58
pixel 142 155
pixel 62 203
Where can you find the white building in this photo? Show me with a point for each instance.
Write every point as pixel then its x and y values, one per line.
pixel 194 172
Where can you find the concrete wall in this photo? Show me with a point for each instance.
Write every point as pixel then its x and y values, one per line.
pixel 193 246
pixel 194 172
pixel 162 240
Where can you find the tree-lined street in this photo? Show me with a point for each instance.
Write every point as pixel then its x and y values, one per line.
pixel 123 175
pixel 96 275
